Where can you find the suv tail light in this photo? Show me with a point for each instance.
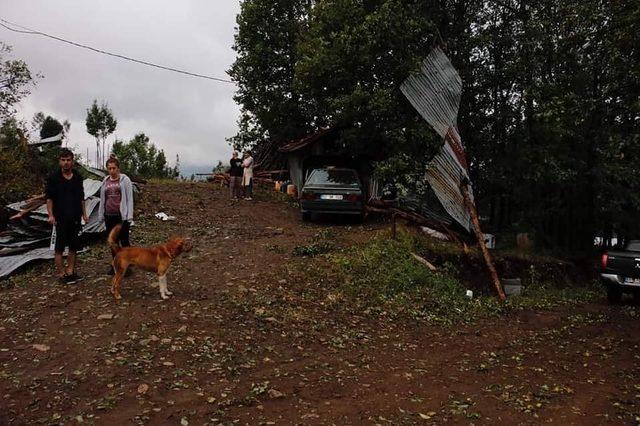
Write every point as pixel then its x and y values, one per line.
pixel 353 197
pixel 605 259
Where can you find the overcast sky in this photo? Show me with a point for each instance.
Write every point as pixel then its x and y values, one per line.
pixel 180 114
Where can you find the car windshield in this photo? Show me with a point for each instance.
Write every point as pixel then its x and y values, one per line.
pixel 334 177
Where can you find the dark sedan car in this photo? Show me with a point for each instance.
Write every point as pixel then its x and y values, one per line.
pixel 332 190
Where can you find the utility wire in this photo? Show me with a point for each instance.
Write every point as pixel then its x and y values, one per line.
pixel 26 30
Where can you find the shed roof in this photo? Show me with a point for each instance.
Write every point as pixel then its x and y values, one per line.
pixel 307 140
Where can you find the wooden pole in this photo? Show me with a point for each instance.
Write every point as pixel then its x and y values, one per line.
pixel 480 236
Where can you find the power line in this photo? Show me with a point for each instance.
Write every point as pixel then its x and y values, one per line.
pixel 26 30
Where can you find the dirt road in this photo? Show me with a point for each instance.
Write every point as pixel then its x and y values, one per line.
pixel 250 337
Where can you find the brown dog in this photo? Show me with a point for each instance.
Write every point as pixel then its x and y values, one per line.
pixel 153 259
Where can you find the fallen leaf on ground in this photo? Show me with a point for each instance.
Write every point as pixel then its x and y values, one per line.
pixel 41 348
pixel 105 316
pixel 275 394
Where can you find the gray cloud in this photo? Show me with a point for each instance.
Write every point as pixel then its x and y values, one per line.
pixel 182 115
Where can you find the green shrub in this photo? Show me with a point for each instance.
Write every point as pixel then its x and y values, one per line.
pixel 382 274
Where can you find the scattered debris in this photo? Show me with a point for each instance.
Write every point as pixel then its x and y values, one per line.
pixel 164 217
pixel 512 286
pixel 425 262
pixel 433 233
pixel 29 232
pixel 275 394
pixel 490 241
pixel 432 222
pixel 41 348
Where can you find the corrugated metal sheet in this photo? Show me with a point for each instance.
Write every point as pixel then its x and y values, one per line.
pixel 23 241
pixel 57 139
pixel 435 93
pixel 8 264
pixel 95 172
pixel 91 187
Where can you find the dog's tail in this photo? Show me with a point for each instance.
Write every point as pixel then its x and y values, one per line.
pixel 113 239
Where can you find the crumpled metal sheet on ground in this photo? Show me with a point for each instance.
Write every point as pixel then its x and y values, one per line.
pixel 27 239
pixel 8 264
pixel 426 205
pixel 91 191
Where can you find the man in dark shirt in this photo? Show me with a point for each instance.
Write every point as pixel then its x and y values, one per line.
pixel 235 175
pixel 65 205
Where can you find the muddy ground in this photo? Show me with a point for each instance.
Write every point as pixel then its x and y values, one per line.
pixel 249 337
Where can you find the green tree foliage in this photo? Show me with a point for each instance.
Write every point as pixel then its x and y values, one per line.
pixel 265 42
pixel 50 127
pixel 550 106
pixel 141 158
pixel 21 169
pixel 549 115
pixel 16 82
pixel 100 123
pixel 36 122
pixel 353 58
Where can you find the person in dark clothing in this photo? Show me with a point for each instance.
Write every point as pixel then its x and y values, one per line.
pixel 65 206
pixel 235 175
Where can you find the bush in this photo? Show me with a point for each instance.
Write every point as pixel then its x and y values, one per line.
pixel 22 171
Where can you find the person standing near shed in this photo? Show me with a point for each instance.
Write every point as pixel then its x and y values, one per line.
pixel 116 203
pixel 65 205
pixel 247 176
pixel 235 176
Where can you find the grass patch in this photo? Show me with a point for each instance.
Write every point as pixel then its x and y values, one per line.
pixel 323 242
pixel 382 275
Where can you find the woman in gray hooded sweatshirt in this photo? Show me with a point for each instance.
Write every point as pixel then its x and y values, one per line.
pixel 116 202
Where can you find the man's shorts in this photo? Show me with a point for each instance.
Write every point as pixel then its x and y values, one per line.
pixel 67 236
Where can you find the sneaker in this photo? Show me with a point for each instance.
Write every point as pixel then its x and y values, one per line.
pixel 66 280
pixel 73 278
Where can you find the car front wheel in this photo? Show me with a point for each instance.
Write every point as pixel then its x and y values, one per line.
pixel 306 216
